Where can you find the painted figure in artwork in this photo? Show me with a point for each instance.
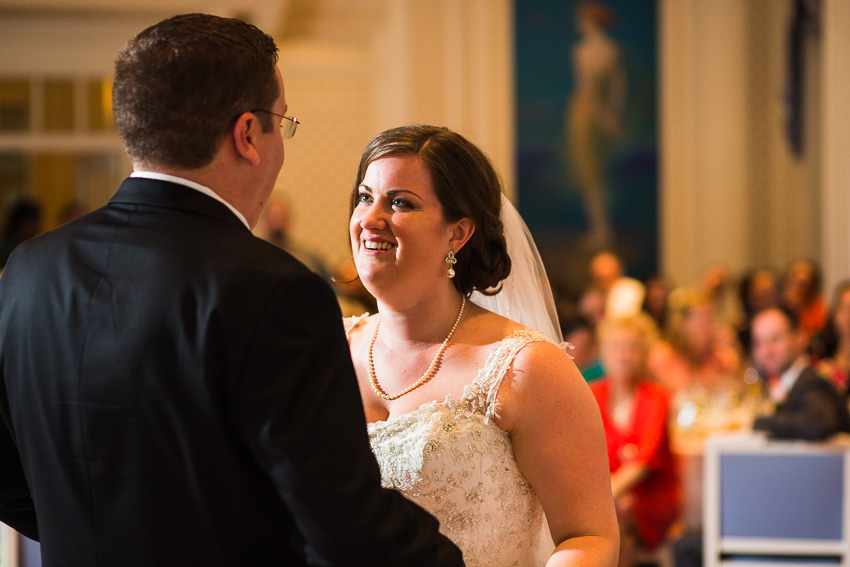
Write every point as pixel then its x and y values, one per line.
pixel 594 113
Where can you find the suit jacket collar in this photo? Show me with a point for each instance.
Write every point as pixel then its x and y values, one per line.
pixel 792 374
pixel 802 384
pixel 164 194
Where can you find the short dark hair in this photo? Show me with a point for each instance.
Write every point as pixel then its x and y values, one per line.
pixel 825 343
pixel 790 315
pixel 466 185
pixel 572 323
pixel 22 212
pixel 814 267
pixel 180 84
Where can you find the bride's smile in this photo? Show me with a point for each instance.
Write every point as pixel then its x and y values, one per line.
pixel 377 245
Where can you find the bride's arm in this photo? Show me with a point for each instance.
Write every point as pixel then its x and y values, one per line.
pixel 559 445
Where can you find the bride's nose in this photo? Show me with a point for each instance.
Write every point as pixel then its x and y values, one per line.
pixel 373 217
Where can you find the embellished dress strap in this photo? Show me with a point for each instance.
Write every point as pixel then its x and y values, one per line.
pixel 351 323
pixel 499 360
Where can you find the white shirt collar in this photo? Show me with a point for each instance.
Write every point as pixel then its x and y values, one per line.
pixel 191 184
pixel 789 377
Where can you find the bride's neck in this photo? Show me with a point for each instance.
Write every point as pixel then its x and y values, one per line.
pixel 427 320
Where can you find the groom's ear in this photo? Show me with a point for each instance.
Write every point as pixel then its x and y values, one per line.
pixel 244 135
pixel 461 233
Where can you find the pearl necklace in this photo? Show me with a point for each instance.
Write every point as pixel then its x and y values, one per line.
pixel 432 368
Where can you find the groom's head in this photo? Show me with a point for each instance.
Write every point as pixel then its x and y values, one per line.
pixel 180 84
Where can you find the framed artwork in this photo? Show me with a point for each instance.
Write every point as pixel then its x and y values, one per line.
pixel 587 148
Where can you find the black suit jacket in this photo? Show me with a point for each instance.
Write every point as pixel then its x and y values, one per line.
pixel 813 410
pixel 176 391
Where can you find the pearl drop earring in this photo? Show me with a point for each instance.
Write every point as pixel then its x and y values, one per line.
pixel 451 261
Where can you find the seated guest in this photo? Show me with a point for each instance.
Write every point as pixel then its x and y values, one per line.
pixel 23 221
pixel 277 228
pixel 802 295
pixel 591 305
pixel 830 349
pixel 605 268
pixel 807 405
pixel 758 289
pixel 581 334
pixel 644 475
pixel 715 283
pixel 620 295
pixel 699 358
pixel 655 301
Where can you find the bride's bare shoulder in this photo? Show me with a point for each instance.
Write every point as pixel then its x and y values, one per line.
pixel 355 325
pixel 491 327
pixel 485 327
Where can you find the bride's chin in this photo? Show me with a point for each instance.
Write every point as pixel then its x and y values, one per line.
pixel 384 290
pixel 373 283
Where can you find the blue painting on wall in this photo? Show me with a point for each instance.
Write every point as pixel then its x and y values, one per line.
pixel 587 148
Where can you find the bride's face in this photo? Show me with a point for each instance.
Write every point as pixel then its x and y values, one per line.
pixel 399 237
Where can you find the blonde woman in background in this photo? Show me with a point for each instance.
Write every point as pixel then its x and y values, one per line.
pixel 644 472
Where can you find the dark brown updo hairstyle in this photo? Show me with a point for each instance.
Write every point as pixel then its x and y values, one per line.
pixel 466 185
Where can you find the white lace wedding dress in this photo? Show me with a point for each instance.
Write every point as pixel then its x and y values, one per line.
pixel 452 459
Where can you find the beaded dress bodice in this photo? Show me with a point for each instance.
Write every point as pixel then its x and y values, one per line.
pixel 452 459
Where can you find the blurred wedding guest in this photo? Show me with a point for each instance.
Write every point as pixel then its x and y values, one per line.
pixel 830 348
pixel 581 334
pixel 605 268
pixel 802 294
pixel 655 302
pixel 807 405
pixel 621 295
pixel 277 230
pixel 625 298
pixel 591 305
pixel 644 475
pixel 698 351
pixel 71 210
pixel 757 290
pixel 714 282
pixel 23 221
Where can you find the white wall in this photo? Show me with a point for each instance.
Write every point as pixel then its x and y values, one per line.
pixel 732 191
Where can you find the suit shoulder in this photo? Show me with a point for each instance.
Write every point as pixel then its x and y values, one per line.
pixel 280 263
pixel 812 379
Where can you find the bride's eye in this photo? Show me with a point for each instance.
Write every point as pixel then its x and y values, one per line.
pixel 401 204
pixel 364 198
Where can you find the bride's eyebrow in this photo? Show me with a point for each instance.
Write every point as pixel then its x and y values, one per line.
pixel 394 192
pixel 391 193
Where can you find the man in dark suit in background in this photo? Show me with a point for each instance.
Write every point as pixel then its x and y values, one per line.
pixel 174 390
pixel 807 405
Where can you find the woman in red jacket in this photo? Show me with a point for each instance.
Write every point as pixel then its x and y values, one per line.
pixel 644 476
